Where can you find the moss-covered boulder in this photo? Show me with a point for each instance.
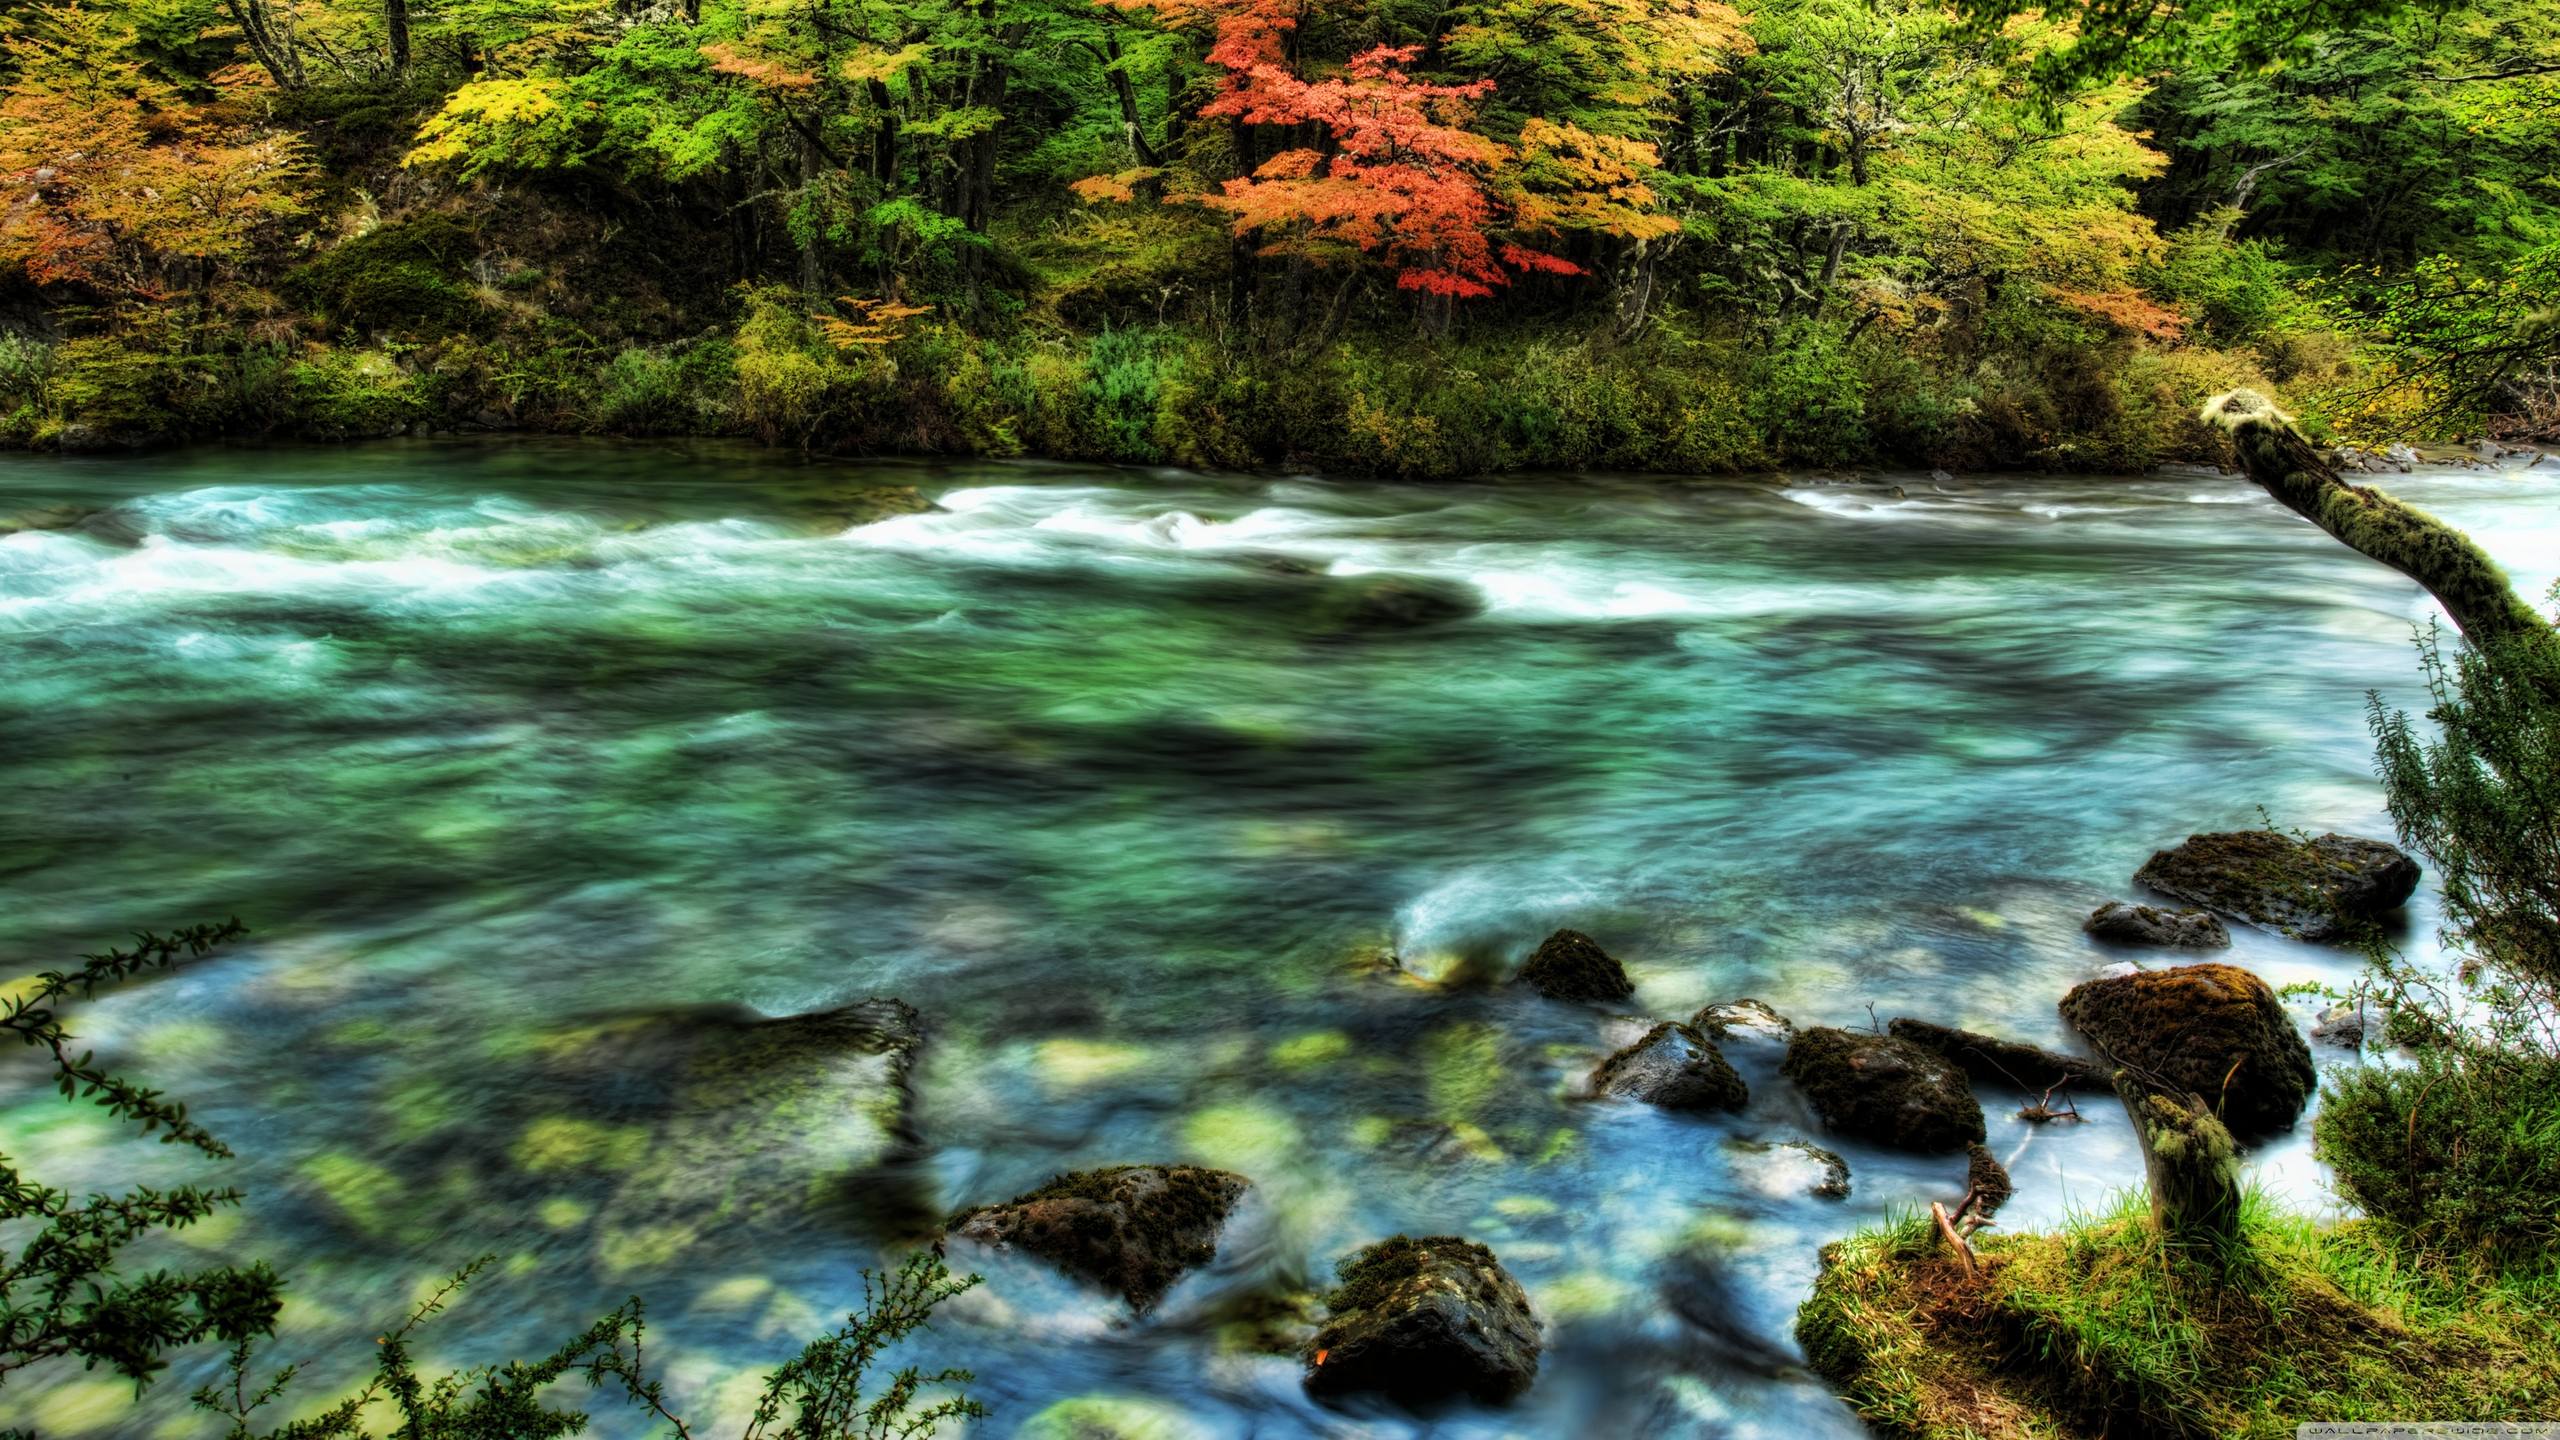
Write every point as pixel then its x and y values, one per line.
pixel 2211 1030
pixel 1570 965
pixel 1996 1061
pixel 2118 923
pixel 1887 1090
pixel 2325 888
pixel 1134 1229
pixel 1673 1067
pixel 1421 1320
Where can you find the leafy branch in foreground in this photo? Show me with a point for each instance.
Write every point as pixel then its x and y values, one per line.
pixel 62 1298
pixel 817 1395
pixel 60 1294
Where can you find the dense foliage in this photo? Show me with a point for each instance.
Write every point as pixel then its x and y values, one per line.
pixel 1682 234
pixel 68 1294
pixel 2460 1148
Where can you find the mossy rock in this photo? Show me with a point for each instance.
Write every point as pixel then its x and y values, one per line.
pixel 1997 1061
pixel 403 277
pixel 2210 1030
pixel 1570 965
pixel 1673 1067
pixel 1887 1090
pixel 1135 1229
pixel 1424 1320
pixel 2118 923
pixel 2325 889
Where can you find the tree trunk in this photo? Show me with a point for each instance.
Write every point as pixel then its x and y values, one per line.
pixel 2473 589
pixel 395 20
pixel 1144 153
pixel 2191 1164
pixel 270 43
pixel 813 274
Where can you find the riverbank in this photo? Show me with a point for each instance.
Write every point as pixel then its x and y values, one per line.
pixel 2100 1329
pixel 1511 397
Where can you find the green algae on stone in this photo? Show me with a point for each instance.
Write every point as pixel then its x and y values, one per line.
pixel 2323 889
pixel 2211 1030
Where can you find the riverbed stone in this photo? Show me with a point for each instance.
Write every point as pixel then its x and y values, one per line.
pixel 2340 1025
pixel 1746 1022
pixel 1570 965
pixel 1395 602
pixel 1997 1061
pixel 1133 1229
pixel 2322 889
pixel 2119 923
pixel 2210 1030
pixel 1673 1067
pixel 1884 1089
pixel 1422 1320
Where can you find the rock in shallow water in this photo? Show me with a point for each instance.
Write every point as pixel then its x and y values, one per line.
pixel 1883 1089
pixel 1421 1320
pixel 2001 1062
pixel 1673 1067
pixel 2121 924
pixel 2210 1030
pixel 1570 965
pixel 2320 889
pixel 1135 1229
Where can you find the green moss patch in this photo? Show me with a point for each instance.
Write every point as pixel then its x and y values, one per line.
pixel 2101 1330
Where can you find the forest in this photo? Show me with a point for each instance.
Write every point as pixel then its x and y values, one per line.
pixel 1360 235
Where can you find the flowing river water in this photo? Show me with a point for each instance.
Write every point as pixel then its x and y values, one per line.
pixel 522 758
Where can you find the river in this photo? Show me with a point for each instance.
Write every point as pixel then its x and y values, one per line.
pixel 501 746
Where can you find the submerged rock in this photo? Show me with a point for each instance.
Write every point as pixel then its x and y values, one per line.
pixel 2002 1062
pixel 1570 965
pixel 2319 889
pixel 1674 1067
pixel 1135 1229
pixel 1395 602
pixel 2121 924
pixel 2210 1030
pixel 1419 1320
pixel 1880 1088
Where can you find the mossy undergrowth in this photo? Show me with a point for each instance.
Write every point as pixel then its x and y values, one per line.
pixel 2104 1330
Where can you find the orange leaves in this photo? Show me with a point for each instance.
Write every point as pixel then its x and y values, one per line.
pixel 1121 188
pixel 112 180
pixel 874 322
pixel 1569 179
pixel 2125 311
pixel 728 59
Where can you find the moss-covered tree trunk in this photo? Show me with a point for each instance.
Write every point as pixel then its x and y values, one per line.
pixel 2191 1164
pixel 2472 587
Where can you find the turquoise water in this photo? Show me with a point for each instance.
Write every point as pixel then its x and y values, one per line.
pixel 510 753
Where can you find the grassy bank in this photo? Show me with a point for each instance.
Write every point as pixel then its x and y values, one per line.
pixel 2103 1330
pixel 2041 393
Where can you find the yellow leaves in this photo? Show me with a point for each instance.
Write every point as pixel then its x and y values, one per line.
pixel 478 117
pixel 1120 188
pixel 1567 178
pixel 886 65
pixel 874 322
